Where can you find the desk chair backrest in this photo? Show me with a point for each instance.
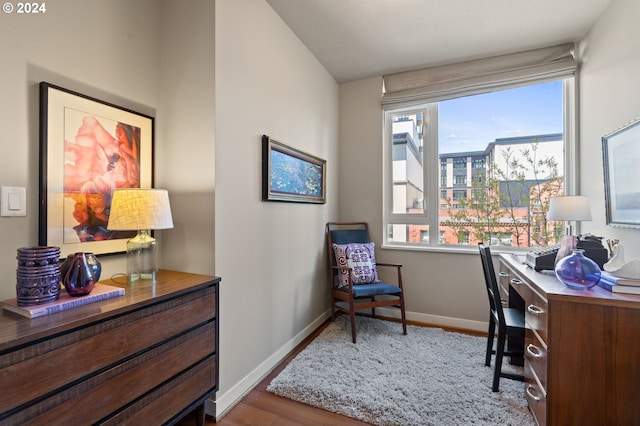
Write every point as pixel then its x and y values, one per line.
pixel 495 301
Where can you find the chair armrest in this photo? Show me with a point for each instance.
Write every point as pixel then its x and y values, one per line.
pixel 343 268
pixel 398 267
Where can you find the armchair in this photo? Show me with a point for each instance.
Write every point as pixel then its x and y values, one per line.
pixel 353 274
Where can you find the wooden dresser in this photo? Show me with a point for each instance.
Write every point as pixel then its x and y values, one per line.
pixel 582 349
pixel 146 358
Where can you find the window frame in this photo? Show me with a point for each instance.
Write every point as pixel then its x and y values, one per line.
pixel 431 163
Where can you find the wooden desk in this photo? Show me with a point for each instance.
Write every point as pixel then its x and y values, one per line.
pixel 148 357
pixel 582 349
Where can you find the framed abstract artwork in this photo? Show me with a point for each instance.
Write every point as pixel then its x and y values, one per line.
pixel 88 148
pixel 289 174
pixel 621 158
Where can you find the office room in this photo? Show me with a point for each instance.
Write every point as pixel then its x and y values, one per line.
pixel 218 75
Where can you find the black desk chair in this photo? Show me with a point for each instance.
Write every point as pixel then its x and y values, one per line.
pixel 510 322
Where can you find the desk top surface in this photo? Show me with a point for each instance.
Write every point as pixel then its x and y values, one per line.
pixel 549 287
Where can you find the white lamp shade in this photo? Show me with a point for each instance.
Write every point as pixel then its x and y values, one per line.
pixel 569 207
pixel 134 209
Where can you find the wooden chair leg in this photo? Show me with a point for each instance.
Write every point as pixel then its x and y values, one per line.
pixel 403 315
pixel 490 335
pixel 353 325
pixel 498 366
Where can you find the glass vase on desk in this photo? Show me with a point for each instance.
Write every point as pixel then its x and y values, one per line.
pixel 577 271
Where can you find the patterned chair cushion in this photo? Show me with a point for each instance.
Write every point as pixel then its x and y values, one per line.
pixel 360 257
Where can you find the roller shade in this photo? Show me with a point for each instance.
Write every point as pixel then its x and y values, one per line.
pixel 478 76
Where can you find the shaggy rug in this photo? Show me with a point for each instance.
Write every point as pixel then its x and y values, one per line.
pixel 428 377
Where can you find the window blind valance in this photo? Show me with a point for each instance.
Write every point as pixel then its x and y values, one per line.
pixel 478 76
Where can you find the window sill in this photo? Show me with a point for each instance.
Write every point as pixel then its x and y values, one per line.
pixel 466 249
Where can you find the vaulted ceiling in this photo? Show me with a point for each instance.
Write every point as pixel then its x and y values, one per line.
pixel 356 39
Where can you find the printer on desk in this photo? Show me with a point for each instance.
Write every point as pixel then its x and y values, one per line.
pixel 544 258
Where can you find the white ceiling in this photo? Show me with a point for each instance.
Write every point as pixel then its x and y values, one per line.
pixel 356 39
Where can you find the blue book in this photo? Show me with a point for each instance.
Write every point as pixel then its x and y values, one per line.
pixel 618 288
pixel 619 280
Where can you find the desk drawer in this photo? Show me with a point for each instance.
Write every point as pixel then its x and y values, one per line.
pixel 536 397
pixel 536 311
pixel 535 356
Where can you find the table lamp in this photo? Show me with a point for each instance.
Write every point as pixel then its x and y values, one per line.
pixel 569 208
pixel 141 210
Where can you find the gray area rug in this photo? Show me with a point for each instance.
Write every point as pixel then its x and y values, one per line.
pixel 428 377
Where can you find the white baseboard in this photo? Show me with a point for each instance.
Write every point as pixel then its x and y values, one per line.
pixel 226 401
pixel 436 320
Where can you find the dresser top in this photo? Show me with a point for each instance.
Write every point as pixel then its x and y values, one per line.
pixel 15 329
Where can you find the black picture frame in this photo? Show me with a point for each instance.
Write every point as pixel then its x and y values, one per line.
pixel 88 147
pixel 621 162
pixel 291 175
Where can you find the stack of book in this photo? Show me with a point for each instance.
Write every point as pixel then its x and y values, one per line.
pixel 619 285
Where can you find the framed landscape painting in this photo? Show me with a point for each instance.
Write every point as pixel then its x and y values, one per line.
pixel 289 174
pixel 88 148
pixel 621 157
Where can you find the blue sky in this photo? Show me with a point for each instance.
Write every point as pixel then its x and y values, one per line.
pixel 472 122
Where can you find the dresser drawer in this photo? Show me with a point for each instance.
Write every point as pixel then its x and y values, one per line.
pixel 535 355
pixel 87 354
pixel 536 312
pixel 536 397
pixel 155 408
pixel 94 398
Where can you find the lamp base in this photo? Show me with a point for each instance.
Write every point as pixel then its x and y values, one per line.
pixel 142 257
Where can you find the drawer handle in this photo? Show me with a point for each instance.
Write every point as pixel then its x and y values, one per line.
pixel 503 274
pixel 533 309
pixel 531 393
pixel 516 281
pixel 534 351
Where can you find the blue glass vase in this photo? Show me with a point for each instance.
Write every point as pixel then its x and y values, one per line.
pixel 577 271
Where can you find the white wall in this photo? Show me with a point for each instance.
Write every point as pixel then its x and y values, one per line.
pixel 185 160
pixel 610 56
pixel 270 255
pixel 108 50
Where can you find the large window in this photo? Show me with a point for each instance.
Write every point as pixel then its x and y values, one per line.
pixel 479 167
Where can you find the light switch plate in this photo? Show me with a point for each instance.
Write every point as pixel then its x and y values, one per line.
pixel 13 201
